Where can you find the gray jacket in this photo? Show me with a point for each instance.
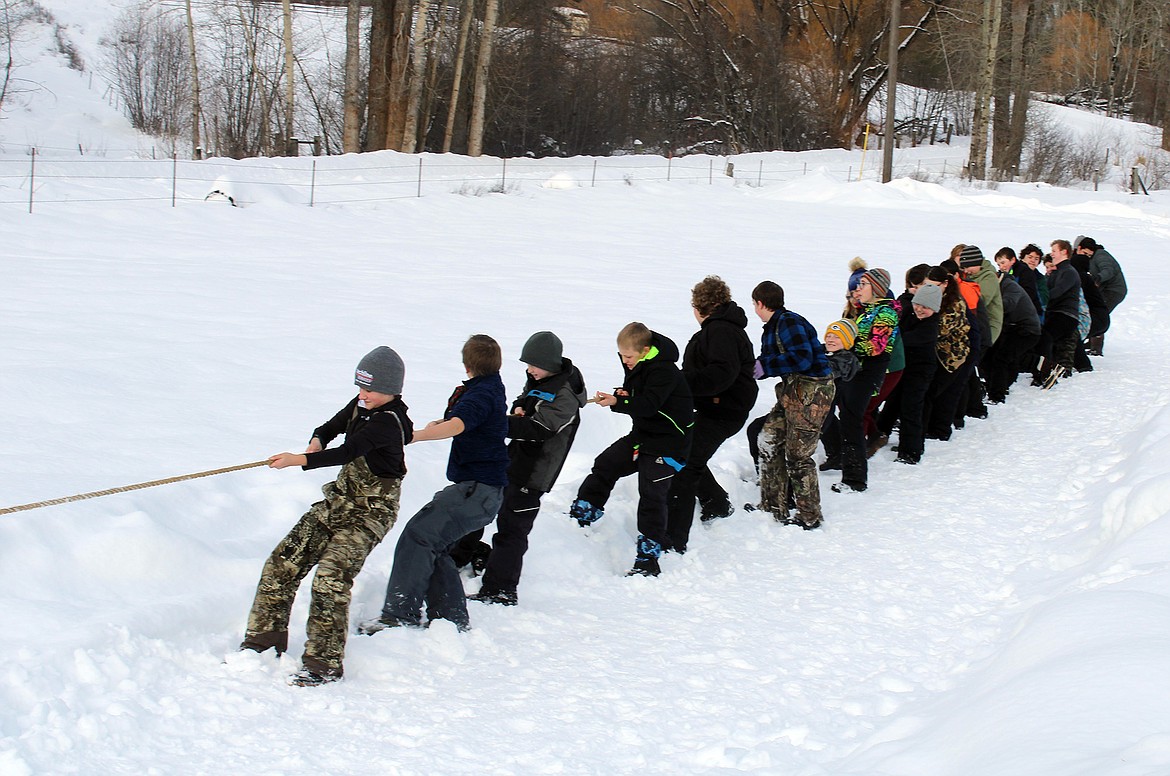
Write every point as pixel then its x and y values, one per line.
pixel 1110 279
pixel 542 436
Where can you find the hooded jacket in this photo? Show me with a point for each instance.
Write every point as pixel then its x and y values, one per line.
pixel 378 434
pixel 919 336
pixel 988 280
pixel 1019 314
pixel 1107 272
pixel 542 436
pixel 718 365
pixel 659 402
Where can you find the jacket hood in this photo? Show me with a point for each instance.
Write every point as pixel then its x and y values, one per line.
pixel 575 381
pixel 731 313
pixel 666 347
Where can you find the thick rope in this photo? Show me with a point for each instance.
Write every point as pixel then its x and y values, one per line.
pixel 139 486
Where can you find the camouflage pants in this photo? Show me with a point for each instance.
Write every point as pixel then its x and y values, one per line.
pixel 787 443
pixel 335 535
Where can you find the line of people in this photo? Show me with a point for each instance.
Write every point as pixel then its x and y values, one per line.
pixel 921 362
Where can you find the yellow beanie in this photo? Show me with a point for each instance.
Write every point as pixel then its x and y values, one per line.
pixel 846 330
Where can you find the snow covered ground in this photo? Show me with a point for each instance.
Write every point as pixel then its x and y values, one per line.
pixel 1003 608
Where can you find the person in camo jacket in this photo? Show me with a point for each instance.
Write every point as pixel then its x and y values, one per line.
pixel 337 534
pixel 790 350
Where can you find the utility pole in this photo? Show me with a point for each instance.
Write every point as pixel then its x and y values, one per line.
pixel 892 89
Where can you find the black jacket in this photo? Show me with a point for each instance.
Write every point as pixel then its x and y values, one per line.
pixel 1063 285
pixel 542 436
pixel 1098 309
pixel 1028 279
pixel 379 434
pixel 718 365
pixel 659 403
pixel 1019 314
pixel 919 335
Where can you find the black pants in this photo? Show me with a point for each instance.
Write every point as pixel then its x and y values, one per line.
pixel 514 523
pixel 655 477
pixel 1058 340
pixel 753 435
pixel 1004 361
pixel 907 405
pixel 696 479
pixel 844 433
pixel 946 391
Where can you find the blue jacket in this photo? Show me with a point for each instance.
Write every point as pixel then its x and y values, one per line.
pixel 789 345
pixel 479 453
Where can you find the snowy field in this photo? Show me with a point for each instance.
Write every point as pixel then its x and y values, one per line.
pixel 1002 608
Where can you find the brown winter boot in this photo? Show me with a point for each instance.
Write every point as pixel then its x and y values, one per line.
pixel 875 443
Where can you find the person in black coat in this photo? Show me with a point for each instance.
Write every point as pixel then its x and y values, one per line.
pixel 1025 276
pixel 718 365
pixel 658 400
pixel 1021 332
pixel 918 326
pixel 1058 335
pixel 1098 312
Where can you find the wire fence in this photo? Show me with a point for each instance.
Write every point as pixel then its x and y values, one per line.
pixel 41 178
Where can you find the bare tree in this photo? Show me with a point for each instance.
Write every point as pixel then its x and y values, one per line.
pixel 149 65
pixel 418 52
pixel 1013 85
pixel 15 15
pixel 977 159
pixel 8 25
pixel 389 58
pixel 195 95
pixel 290 89
pixel 466 17
pixel 427 116
pixel 352 127
pixel 482 71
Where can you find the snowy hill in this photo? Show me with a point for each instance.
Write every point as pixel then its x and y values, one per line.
pixel 1002 608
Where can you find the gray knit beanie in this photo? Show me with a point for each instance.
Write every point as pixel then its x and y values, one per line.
pixel 543 349
pixel 929 296
pixel 381 370
pixel 971 256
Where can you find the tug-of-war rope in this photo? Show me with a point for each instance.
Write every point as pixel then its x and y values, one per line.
pixel 111 491
pixel 139 486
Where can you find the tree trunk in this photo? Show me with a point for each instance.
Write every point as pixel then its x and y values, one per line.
pixel 1023 32
pixel 977 160
pixel 399 73
pixel 378 88
pixel 457 83
pixel 892 90
pixel 264 141
pixel 352 122
pixel 426 119
pixel 417 71
pixel 289 91
pixel 483 64
pixel 196 112
pixel 1001 96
